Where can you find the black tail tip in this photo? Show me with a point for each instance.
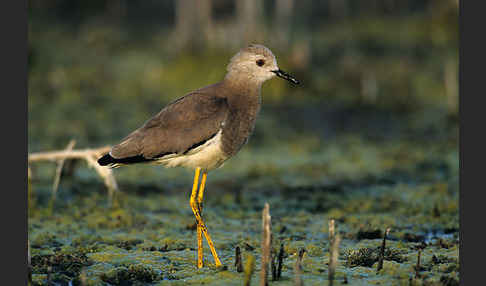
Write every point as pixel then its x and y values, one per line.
pixel 106 160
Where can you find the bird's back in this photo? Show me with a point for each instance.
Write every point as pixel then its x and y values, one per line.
pixel 182 126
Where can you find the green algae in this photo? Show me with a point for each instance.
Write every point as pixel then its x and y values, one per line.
pixel 150 239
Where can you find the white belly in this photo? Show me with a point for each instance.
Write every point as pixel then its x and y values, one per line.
pixel 208 156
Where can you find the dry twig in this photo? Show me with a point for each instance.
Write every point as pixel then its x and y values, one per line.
pixel 238 262
pixel 334 253
pixel 331 229
pixel 57 177
pixel 382 251
pixel 280 261
pixel 274 265
pixel 266 244
pixel 334 241
pixel 90 156
pixel 417 267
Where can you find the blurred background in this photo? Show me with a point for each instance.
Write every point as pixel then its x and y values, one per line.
pixel 98 69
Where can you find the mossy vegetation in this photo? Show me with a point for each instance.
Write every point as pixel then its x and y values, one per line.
pixel 368 256
pixel 59 267
pixel 132 275
pixel 150 239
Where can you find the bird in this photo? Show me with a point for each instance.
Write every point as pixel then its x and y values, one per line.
pixel 204 128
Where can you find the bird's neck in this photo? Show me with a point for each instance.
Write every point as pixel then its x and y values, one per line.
pixel 242 88
pixel 237 78
pixel 243 96
pixel 244 101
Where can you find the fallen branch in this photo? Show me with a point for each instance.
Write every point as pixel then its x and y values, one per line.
pixel 73 154
pixel 57 177
pixel 90 156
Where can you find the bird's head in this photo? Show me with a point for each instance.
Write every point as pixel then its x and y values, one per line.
pixel 257 63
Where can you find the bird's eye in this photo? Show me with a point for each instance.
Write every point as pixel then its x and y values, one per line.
pixel 260 62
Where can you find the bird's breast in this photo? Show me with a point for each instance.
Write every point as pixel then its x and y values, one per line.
pixel 237 129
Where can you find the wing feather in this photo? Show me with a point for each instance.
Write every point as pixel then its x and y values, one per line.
pixel 182 124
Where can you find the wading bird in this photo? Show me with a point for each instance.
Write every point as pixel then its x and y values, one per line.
pixel 203 129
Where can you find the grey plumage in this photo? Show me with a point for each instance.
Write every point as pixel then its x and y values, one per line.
pixel 181 124
pixel 207 126
pixel 204 128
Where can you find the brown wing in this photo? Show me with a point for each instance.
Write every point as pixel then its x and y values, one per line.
pixel 181 125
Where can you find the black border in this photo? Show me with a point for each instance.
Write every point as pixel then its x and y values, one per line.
pixel 13 28
pixel 471 154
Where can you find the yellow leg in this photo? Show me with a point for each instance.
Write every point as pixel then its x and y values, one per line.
pixel 195 202
pixel 200 194
pixel 199 247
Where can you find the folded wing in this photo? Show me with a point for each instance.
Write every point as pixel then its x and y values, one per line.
pixel 181 126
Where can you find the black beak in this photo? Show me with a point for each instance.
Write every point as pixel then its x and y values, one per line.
pixel 286 76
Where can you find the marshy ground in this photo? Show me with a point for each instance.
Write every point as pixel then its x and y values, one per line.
pixel 367 180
